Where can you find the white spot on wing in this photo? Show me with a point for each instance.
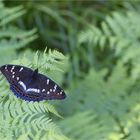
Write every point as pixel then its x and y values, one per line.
pixel 13 76
pixel 48 92
pixel 33 90
pixel 6 67
pixel 21 69
pixel 54 88
pixel 48 81
pixel 12 68
pixel 17 78
pixel 22 84
pixel 43 90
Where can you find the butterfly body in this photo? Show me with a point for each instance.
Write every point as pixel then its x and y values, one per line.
pixel 30 85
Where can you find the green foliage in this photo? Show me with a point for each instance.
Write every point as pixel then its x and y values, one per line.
pixel 10 14
pixel 101 77
pixel 11 37
pixel 118 39
pixel 28 117
pixel 20 119
pixel 85 126
pixel 113 104
pixel 48 62
pixel 112 93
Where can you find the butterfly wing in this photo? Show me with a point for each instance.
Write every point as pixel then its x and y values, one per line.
pixel 49 88
pixel 14 73
pixel 17 76
pixel 30 85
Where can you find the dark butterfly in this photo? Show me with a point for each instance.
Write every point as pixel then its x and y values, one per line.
pixel 30 85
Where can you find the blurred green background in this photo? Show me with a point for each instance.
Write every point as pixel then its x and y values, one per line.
pixel 90 48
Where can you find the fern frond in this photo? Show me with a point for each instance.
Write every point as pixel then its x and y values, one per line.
pixel 16 33
pixel 15 44
pixel 83 126
pixel 120 33
pixel 51 13
pixel 9 14
pixel 30 117
pixel 12 38
pixel 115 102
pixel 46 62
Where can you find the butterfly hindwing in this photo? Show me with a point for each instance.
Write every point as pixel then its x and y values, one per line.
pixel 30 85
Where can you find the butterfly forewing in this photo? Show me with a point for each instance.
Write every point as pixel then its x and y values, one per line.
pixel 51 88
pixel 31 85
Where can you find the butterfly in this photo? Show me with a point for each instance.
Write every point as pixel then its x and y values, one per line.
pixel 30 85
